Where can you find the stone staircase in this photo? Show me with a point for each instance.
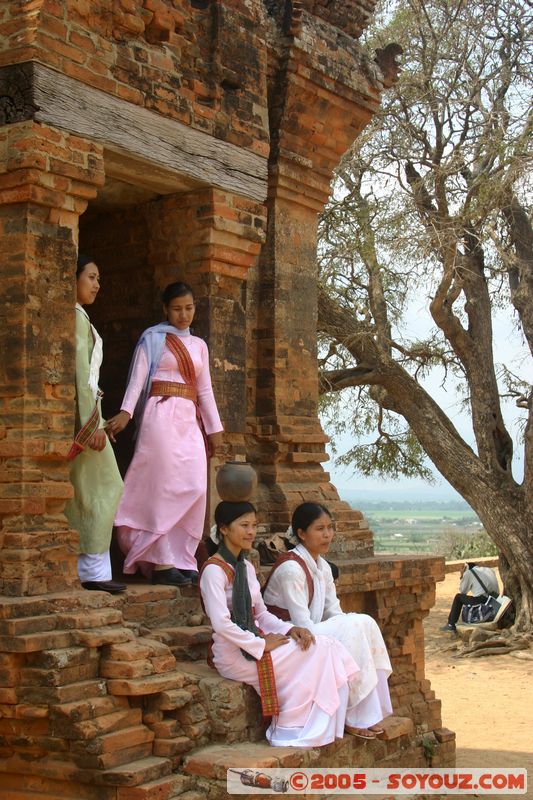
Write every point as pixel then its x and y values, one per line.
pixel 110 698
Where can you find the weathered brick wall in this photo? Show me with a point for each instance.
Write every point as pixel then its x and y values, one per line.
pixel 399 591
pixel 46 178
pixel 201 63
pixel 95 705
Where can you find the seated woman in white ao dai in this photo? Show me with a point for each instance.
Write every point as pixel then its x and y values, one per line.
pixel 300 588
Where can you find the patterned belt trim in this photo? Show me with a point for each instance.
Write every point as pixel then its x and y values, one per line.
pixel 172 389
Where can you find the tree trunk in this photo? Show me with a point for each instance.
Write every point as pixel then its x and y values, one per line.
pixel 506 521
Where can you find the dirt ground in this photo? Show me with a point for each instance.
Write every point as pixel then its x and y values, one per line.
pixel 488 701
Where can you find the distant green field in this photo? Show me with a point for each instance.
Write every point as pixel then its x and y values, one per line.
pixel 424 515
pixel 409 529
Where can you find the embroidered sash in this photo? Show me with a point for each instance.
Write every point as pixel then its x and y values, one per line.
pixel 265 666
pixel 283 613
pixel 186 368
pixel 86 432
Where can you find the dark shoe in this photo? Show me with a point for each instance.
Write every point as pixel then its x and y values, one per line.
pixel 449 628
pixel 104 586
pixel 191 574
pixel 170 577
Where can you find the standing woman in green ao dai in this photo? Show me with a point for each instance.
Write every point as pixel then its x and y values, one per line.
pixel 94 473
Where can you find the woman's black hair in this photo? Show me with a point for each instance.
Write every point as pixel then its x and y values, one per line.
pixel 305 514
pixel 173 290
pixel 225 514
pixel 82 262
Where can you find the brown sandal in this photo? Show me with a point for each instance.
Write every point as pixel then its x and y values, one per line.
pixel 361 733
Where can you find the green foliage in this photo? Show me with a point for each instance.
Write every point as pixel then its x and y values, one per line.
pixel 458 545
pixel 385 445
pixel 429 747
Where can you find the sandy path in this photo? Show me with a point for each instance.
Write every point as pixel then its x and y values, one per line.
pixel 488 702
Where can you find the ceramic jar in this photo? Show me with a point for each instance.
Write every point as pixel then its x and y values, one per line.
pixel 236 481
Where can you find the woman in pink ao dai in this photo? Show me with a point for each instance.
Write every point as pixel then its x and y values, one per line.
pixel 311 673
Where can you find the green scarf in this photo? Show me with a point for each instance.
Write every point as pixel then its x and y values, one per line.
pixel 241 614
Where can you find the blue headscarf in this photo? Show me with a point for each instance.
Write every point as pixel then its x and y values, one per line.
pixel 152 341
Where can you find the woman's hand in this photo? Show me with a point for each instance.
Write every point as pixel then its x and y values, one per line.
pixel 273 640
pixel 117 424
pixel 302 637
pixel 214 441
pixel 98 440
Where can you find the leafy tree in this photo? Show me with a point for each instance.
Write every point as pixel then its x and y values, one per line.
pixel 429 217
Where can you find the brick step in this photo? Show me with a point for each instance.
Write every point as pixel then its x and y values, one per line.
pixel 153 606
pixel 25 787
pixel 98 637
pixel 233 708
pixel 88 708
pixel 24 625
pixel 113 758
pixel 89 618
pixel 214 760
pixel 104 724
pixel 31 642
pixel 61 659
pixel 137 772
pixel 57 603
pixel 114 741
pixel 134 772
pixel 166 788
pixel 37 695
pixel 151 684
pixel 397 726
pixel 187 643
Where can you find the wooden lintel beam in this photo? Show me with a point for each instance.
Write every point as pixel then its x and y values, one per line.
pixel 193 157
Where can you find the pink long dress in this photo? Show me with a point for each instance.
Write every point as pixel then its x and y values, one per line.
pixel 312 685
pixel 160 518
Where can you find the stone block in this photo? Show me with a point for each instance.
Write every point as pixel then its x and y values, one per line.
pixel 122 739
pixel 444 735
pixel 113 758
pixel 137 773
pixel 96 637
pixel 152 684
pixel 169 700
pixel 170 748
pixel 394 727
pixel 126 669
pixel 89 708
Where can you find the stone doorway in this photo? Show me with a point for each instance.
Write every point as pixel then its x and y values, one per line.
pixel 120 231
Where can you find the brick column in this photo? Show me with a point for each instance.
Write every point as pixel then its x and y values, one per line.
pixel 314 119
pixel 46 179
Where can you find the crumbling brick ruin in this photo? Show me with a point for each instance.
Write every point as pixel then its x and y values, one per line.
pixel 192 139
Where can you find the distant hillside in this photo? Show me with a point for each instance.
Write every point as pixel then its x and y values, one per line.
pixel 447 527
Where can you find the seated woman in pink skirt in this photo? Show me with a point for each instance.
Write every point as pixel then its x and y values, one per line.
pixel 302 679
pixel 300 588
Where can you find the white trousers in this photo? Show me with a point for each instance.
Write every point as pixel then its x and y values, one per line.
pixel 374 707
pixel 94 567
